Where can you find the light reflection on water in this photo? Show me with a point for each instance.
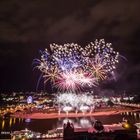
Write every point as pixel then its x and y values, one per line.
pixel 3 124
pixel 43 125
pixel 10 122
pixel 83 122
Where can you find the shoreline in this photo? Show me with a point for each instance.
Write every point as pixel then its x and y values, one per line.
pixel 70 115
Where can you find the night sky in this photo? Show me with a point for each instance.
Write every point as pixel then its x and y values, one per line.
pixel 29 26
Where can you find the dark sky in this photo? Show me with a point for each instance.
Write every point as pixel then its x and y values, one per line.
pixel 30 25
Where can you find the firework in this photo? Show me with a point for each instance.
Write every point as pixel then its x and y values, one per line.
pixel 51 75
pixel 70 67
pixel 84 108
pixel 68 81
pixel 73 80
pixel 97 68
pixel 75 101
pixel 102 53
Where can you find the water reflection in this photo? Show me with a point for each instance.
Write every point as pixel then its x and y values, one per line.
pixel 42 125
pixel 84 122
pixel 28 120
pixel 10 122
pixel 135 115
pixel 127 113
pixel 3 124
pixel 132 116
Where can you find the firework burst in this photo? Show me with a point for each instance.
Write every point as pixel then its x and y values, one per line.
pixel 70 67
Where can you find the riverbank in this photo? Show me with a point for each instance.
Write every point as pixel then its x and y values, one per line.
pixel 70 115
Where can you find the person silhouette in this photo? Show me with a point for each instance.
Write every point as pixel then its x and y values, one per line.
pixel 64 132
pixel 68 131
